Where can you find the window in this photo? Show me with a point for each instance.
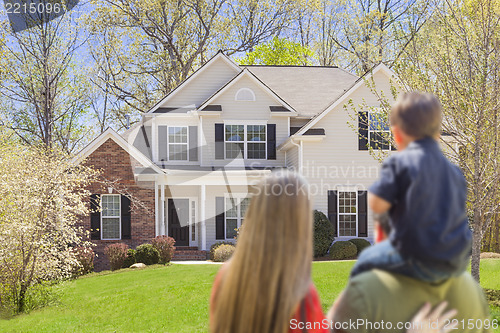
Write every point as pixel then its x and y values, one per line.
pixel 249 141
pixel 347 216
pixel 244 94
pixel 235 140
pixel 379 133
pixel 177 143
pixel 110 216
pixel 256 145
pixel 235 212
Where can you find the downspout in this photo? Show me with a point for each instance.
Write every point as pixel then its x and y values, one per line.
pixel 299 151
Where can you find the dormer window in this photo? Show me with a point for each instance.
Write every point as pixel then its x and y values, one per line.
pixel 245 94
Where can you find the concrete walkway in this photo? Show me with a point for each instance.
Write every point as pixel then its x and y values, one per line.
pixel 196 262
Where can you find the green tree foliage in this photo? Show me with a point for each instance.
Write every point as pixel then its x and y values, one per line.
pixel 463 70
pixel 278 51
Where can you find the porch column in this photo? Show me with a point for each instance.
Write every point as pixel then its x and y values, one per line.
pixel 162 210
pixel 157 224
pixel 202 218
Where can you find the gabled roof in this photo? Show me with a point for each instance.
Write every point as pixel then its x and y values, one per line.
pixel 308 89
pixel 118 139
pixel 358 83
pixel 219 55
pixel 246 73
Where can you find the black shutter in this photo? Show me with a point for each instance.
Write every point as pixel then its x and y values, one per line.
pixel 163 143
pixel 332 209
pixel 363 130
pixel 219 218
pixel 193 143
pixel 362 214
pixel 95 217
pixel 219 141
pixel 126 217
pixel 271 141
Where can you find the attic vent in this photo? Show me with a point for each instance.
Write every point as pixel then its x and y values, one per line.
pixel 244 94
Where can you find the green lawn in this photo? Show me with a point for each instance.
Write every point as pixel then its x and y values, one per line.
pixel 165 299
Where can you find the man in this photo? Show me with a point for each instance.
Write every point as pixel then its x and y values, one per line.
pixel 379 301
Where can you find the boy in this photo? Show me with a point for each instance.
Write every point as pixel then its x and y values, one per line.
pixel 425 196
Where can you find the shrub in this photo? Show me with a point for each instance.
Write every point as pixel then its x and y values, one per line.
pixel 343 250
pixel 215 245
pixel 116 253
pixel 323 234
pixel 130 260
pixel 147 254
pixel 223 252
pixel 85 257
pixel 360 243
pixel 165 247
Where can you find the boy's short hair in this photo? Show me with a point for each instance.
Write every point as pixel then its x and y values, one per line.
pixel 417 114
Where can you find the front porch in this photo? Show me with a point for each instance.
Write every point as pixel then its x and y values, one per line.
pixel 188 202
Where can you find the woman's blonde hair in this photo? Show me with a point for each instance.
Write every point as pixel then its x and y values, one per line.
pixel 270 271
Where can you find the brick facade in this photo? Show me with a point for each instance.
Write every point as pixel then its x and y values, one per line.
pixel 117 165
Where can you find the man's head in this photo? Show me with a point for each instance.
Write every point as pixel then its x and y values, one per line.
pixel 415 116
pixel 382 227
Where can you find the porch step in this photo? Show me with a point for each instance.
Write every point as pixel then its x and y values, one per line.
pixel 189 253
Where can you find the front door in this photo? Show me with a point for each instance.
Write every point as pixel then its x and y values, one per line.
pixel 178 221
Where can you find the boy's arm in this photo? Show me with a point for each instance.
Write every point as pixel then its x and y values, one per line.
pixel 377 204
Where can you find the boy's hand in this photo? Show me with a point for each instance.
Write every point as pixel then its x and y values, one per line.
pixel 377 204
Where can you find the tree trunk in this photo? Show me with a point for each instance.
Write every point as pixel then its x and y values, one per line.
pixel 21 299
pixel 496 232
pixel 476 253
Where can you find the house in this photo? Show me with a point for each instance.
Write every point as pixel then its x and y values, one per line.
pixel 194 156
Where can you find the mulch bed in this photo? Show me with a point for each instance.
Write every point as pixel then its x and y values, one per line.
pixel 490 255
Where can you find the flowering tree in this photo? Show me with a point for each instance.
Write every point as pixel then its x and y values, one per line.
pixel 41 197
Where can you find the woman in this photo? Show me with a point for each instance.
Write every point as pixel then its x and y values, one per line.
pixel 266 287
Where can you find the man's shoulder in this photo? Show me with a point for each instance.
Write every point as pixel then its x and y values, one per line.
pixel 381 277
pixel 377 284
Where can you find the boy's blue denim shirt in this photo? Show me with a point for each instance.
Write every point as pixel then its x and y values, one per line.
pixel 428 213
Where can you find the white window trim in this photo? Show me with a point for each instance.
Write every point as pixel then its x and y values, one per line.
pixel 239 197
pixel 370 131
pixel 244 100
pixel 339 213
pixel 112 217
pixel 177 143
pixel 245 139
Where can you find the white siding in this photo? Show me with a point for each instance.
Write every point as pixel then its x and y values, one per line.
pixel 336 161
pixel 203 85
pixel 292 158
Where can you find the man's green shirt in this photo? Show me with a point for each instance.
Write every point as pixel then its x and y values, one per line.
pixel 379 301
